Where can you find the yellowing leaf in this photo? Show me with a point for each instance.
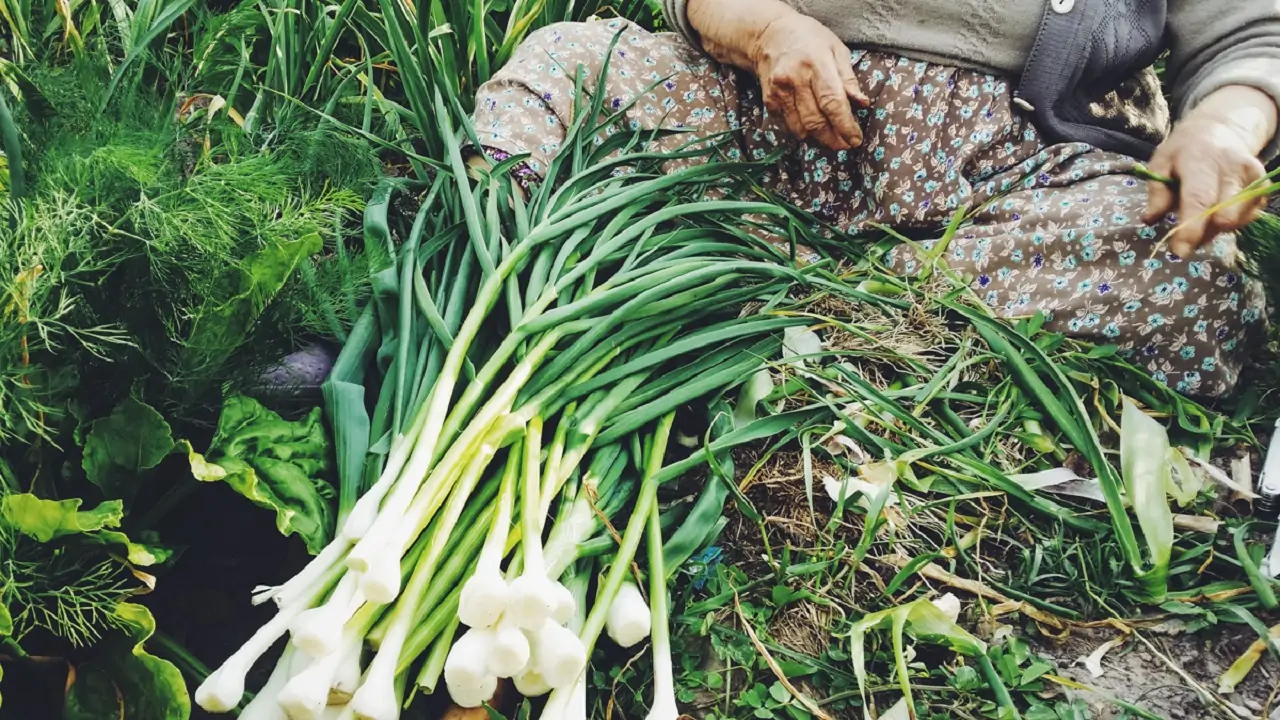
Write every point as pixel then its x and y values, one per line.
pixel 46 520
pixel 135 553
pixel 1184 484
pixel 1244 664
pixel 1093 663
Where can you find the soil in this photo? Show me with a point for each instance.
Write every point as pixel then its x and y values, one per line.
pixel 1136 674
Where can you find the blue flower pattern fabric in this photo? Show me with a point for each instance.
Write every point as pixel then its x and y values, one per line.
pixel 1052 228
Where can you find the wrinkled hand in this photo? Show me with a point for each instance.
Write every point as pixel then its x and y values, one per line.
pixel 1213 159
pixel 805 74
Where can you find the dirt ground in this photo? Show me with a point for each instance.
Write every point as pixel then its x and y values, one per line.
pixel 1160 681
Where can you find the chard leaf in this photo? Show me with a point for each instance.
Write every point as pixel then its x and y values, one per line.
pixel 46 520
pixel 122 680
pixel 276 464
pixel 135 553
pixel 132 439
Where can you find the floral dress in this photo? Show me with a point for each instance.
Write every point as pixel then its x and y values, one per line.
pixel 1053 228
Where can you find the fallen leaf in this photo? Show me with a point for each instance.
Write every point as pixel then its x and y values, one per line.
pixel 973 587
pixel 1093 663
pixel 1242 487
pixel 1061 481
pixel 799 342
pixel 1067 683
pixel 948 604
pixel 899 711
pixel 1244 664
pixel 850 487
pixel 840 444
pixel 146 579
pixel 1197 523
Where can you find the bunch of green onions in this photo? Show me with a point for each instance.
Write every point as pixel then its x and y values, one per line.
pixel 532 355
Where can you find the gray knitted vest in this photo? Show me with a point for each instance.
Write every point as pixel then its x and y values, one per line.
pixel 1090 75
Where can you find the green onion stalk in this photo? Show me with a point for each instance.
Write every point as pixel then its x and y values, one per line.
pixel 664 683
pixel 561 699
pixel 513 351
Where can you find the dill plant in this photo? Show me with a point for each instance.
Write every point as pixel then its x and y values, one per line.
pixel 135 243
pixel 63 589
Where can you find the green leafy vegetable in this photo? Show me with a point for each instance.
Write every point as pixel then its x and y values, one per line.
pixel 135 553
pixel 124 681
pixel 45 520
pixel 276 464
pixel 133 438
pixel 66 570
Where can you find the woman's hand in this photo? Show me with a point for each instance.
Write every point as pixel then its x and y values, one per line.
pixel 1213 154
pixel 804 69
pixel 806 75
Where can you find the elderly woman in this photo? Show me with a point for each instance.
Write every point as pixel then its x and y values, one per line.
pixel 1029 113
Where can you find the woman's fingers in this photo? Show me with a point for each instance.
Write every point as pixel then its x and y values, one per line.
pixel 852 88
pixel 1212 154
pixel 1236 214
pixel 815 105
pixel 1205 197
pixel 778 98
pixel 1161 199
pixel 1233 215
pixel 1198 193
pixel 791 113
pixel 785 104
pixel 832 92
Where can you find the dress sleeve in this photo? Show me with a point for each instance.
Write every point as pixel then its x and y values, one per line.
pixel 1218 43
pixel 677 18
